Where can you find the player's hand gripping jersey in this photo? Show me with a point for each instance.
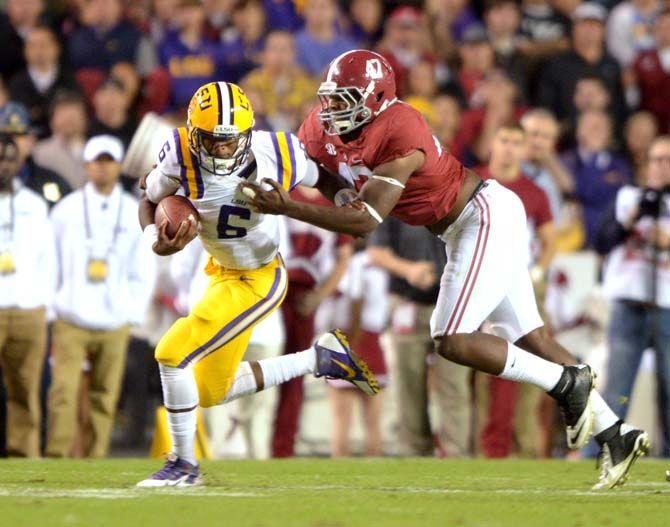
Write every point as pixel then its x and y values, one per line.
pixel 234 235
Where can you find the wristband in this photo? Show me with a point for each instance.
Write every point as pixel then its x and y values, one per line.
pixel 372 212
pixel 150 234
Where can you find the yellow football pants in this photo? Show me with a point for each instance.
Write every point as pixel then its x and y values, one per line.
pixel 214 336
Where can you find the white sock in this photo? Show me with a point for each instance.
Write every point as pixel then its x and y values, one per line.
pixel 522 366
pixel 243 384
pixel 180 396
pixel 604 417
pixel 277 370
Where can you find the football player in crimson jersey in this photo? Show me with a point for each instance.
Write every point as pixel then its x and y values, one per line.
pixel 377 156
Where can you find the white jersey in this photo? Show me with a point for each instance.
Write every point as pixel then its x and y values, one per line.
pixel 231 232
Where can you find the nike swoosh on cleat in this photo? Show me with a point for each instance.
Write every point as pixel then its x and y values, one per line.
pixel 350 372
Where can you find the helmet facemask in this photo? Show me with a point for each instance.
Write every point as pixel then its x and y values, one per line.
pixel 204 142
pixel 354 115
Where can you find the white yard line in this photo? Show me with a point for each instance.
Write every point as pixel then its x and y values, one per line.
pixel 652 488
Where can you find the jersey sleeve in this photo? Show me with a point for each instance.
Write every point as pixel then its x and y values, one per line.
pixel 164 180
pixel 293 166
pixel 394 142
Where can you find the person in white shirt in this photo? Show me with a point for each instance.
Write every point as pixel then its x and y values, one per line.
pixel 104 285
pixel 637 282
pixel 27 278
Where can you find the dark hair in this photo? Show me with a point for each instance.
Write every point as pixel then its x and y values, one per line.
pixel 492 4
pixel 595 78
pixel 512 126
pixel 66 97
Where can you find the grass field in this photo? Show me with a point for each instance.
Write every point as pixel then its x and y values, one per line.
pixel 332 493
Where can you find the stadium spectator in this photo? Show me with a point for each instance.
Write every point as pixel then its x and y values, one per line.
pixel 319 41
pixel 422 88
pixel 367 20
pixel 640 130
pixel 188 55
pixel 542 164
pixel 651 72
pixel 63 150
pixel 477 60
pixel 637 281
pixel 45 182
pixel 404 44
pixel 316 260
pixel 494 104
pixel 217 17
pixel 597 171
pixel 15 24
pixel 27 280
pixel 513 409
pixel 281 83
pixel 128 76
pixel 629 29
pixel 587 57
pixel 413 257
pixel 112 115
pixel 449 20
pixel 591 95
pixel 365 301
pixel 43 77
pixel 163 19
pixel 104 37
pixel 446 124
pixel 502 18
pixel 282 15
pixel 105 284
pixel 243 43
pixel 544 31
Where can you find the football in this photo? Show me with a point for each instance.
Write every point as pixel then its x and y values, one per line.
pixel 174 209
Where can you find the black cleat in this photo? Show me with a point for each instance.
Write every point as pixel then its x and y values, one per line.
pixel 573 394
pixel 620 446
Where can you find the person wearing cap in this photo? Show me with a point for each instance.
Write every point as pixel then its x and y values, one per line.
pixel 105 283
pixel 47 183
pixel 403 44
pixel 27 281
pixel 587 57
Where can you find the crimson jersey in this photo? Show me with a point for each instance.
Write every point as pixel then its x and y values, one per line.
pixel 429 193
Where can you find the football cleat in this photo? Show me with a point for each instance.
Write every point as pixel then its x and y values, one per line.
pixel 335 360
pixel 175 473
pixel 618 454
pixel 573 394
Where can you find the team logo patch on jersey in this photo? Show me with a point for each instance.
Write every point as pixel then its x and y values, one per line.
pixel 330 148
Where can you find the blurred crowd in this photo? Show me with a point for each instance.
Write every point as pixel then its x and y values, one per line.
pixel 562 101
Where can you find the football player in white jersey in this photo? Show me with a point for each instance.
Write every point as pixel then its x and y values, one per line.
pixel 200 356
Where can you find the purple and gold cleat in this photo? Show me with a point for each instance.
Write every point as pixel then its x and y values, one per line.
pixel 175 473
pixel 335 360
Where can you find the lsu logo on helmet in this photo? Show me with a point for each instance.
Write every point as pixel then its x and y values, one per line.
pixel 220 112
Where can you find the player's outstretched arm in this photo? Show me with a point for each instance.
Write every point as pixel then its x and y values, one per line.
pixel 374 202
